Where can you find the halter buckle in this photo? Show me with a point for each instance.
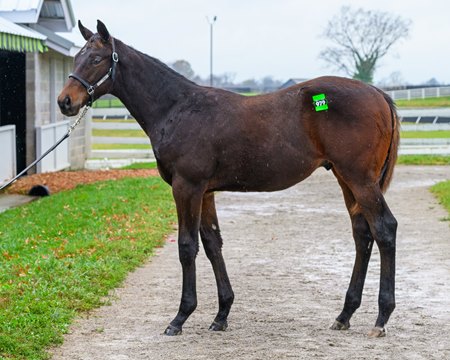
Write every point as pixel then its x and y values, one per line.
pixel 115 57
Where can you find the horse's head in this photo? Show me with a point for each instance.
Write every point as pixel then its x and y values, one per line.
pixel 93 71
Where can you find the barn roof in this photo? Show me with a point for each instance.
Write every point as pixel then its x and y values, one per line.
pixel 42 19
pixel 56 15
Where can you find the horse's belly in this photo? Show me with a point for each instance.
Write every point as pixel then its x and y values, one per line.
pixel 268 176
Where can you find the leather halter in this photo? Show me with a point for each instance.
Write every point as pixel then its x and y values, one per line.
pixel 90 88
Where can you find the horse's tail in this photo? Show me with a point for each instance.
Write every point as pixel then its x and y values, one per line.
pixel 388 167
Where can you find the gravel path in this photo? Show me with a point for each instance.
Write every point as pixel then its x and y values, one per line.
pixel 289 256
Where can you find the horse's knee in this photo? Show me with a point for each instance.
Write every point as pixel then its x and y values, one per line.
pixel 187 251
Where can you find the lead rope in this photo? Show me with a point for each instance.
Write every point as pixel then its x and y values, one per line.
pixel 69 131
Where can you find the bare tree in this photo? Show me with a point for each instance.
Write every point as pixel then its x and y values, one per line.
pixel 184 68
pixel 361 38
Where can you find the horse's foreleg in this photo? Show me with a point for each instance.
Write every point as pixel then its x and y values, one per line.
pixel 363 244
pixel 212 242
pixel 188 200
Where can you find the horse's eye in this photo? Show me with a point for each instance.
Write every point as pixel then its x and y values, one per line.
pixel 97 60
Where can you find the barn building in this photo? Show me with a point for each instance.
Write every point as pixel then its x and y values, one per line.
pixel 34 63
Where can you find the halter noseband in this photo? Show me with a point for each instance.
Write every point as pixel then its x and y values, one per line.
pixel 110 74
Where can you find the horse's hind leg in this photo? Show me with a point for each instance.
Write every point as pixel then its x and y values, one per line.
pixel 363 244
pixel 383 227
pixel 212 242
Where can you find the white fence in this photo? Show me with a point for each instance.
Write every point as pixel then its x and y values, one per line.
pixel 46 137
pixel 8 151
pixel 419 93
pixel 119 154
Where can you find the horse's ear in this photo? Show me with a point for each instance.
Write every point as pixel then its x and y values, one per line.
pixel 102 31
pixel 87 34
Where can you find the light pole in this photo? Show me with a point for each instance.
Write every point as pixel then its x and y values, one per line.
pixel 211 24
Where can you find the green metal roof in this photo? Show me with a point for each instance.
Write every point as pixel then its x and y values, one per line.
pixel 19 43
pixel 14 37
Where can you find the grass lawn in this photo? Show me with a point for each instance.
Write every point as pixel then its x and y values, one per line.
pixel 443 101
pixel 442 192
pixel 62 255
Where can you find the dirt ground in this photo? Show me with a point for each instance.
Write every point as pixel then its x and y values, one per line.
pixel 289 256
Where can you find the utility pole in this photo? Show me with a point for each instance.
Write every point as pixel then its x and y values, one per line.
pixel 211 25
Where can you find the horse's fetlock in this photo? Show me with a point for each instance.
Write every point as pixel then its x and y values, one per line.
pixel 188 306
pixel 187 252
pixel 352 302
pixel 386 304
pixel 226 299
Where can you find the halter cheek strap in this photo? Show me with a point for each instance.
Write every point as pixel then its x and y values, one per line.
pixel 90 88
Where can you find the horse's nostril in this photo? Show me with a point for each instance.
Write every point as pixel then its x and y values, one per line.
pixel 65 104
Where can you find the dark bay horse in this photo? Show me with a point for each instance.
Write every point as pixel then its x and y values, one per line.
pixel 208 140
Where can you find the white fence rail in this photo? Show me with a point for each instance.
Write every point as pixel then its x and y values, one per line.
pixel 46 137
pixel 8 150
pixel 104 113
pixel 422 93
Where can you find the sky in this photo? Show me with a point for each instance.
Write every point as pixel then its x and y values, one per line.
pixel 258 38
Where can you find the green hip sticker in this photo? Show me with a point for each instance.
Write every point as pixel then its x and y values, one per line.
pixel 320 102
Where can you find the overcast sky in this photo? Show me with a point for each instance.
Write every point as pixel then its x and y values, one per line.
pixel 256 38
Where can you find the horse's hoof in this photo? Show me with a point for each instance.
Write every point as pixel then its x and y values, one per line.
pixel 377 332
pixel 172 331
pixel 340 326
pixel 215 326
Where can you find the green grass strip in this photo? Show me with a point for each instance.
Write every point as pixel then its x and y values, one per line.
pixel 140 165
pixel 423 159
pixel 121 146
pixel 107 103
pixel 433 134
pixel 120 133
pixel 442 192
pixel 62 255
pixel 109 120
pixel 443 101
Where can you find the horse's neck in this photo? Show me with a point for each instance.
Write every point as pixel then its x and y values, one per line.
pixel 148 88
